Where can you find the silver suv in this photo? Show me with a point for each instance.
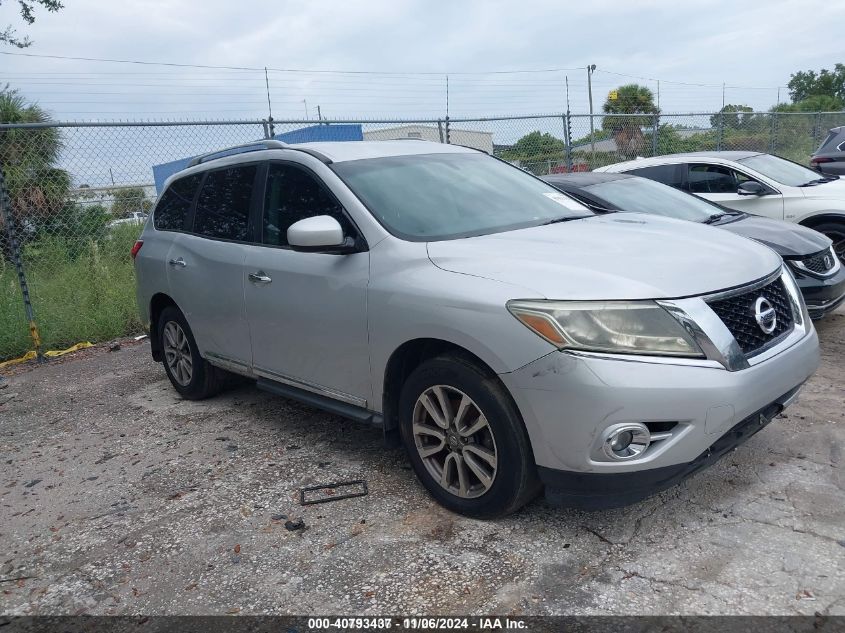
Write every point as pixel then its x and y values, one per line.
pixel 512 338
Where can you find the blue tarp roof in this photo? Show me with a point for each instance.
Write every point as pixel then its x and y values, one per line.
pixel 331 132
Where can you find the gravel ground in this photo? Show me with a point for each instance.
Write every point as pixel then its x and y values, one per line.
pixel 117 497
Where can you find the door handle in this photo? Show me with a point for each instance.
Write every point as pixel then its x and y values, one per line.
pixel 178 262
pixel 260 277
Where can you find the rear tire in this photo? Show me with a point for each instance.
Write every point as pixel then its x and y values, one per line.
pixel 836 232
pixel 189 373
pixel 465 439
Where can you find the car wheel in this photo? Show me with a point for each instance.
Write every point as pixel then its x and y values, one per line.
pixel 836 232
pixel 465 439
pixel 189 373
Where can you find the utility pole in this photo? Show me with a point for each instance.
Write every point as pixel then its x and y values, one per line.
pixel 305 103
pixel 590 70
pixel 319 114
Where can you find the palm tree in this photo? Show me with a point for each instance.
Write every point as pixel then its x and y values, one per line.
pixel 635 101
pixel 38 189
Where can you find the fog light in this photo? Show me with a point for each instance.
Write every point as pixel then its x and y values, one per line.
pixel 626 441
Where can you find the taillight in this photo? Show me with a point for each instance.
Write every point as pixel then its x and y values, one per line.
pixel 136 247
pixel 821 159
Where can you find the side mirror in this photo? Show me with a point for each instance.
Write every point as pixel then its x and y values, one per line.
pixel 751 188
pixel 319 234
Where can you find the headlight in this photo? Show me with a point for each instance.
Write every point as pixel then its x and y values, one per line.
pixel 619 327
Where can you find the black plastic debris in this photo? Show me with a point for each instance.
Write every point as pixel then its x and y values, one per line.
pixel 294 525
pixel 329 492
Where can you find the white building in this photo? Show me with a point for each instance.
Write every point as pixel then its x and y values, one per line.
pixel 470 138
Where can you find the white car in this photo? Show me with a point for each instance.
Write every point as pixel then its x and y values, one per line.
pixel 133 217
pixel 756 183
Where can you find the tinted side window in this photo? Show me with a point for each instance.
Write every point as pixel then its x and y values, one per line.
pixel 172 209
pixel 713 179
pixel 292 195
pixel 667 174
pixel 223 204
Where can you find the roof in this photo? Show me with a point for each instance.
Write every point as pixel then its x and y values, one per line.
pixel 330 151
pixel 583 178
pixel 359 150
pixel 678 158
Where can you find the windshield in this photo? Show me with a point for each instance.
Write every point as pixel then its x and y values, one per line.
pixel 783 171
pixel 641 195
pixel 428 197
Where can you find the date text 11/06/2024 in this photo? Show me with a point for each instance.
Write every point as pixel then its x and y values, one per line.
pixel 418 623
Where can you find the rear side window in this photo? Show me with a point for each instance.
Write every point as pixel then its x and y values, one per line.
pixel 828 143
pixel 293 195
pixel 175 203
pixel 667 174
pixel 223 204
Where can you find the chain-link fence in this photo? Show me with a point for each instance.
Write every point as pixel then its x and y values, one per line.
pixel 79 192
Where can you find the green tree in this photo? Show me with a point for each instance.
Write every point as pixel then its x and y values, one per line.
pixel 27 9
pixel 813 103
pixel 808 83
pixel 28 157
pixel 627 118
pixel 731 116
pixel 536 152
pixel 129 199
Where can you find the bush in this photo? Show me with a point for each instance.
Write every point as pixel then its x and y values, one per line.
pixel 81 289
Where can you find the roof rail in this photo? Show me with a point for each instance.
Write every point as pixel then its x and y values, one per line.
pixel 246 147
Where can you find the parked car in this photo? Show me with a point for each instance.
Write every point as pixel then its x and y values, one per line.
pixel 808 253
pixel 512 337
pixel 132 217
pixel 829 158
pixel 757 183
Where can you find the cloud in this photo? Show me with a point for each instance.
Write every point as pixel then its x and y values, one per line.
pixel 754 44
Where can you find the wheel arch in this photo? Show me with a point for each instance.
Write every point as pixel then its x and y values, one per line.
pixel 158 303
pixel 820 217
pixel 406 358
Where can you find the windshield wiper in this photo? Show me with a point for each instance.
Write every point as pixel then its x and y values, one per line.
pixel 714 218
pixel 819 181
pixel 565 218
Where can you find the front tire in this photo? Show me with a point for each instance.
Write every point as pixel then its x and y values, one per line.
pixel 465 439
pixel 189 373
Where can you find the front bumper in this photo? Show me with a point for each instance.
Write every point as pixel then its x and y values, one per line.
pixel 598 491
pixel 568 400
pixel 822 295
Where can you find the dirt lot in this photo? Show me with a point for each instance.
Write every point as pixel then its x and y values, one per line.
pixel 117 497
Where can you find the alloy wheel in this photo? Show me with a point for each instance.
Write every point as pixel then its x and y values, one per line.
pixel 455 441
pixel 177 353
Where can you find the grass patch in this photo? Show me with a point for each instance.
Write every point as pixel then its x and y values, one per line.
pixel 81 290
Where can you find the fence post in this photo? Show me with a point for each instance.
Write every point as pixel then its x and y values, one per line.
pixel 448 132
pixel 773 144
pixel 567 135
pixel 720 132
pixel 440 129
pixel 654 134
pixel 817 130
pixel 15 252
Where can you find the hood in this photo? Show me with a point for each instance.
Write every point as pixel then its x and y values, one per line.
pixel 833 191
pixel 630 256
pixel 787 239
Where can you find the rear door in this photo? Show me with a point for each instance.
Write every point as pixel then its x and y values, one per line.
pixel 719 184
pixel 206 263
pixel 307 311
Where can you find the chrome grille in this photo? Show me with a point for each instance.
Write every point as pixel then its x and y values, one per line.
pixel 821 262
pixel 737 313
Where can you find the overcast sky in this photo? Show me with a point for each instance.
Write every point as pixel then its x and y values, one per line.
pixel 755 45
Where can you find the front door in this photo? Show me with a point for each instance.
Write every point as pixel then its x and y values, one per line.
pixel 307 311
pixel 719 183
